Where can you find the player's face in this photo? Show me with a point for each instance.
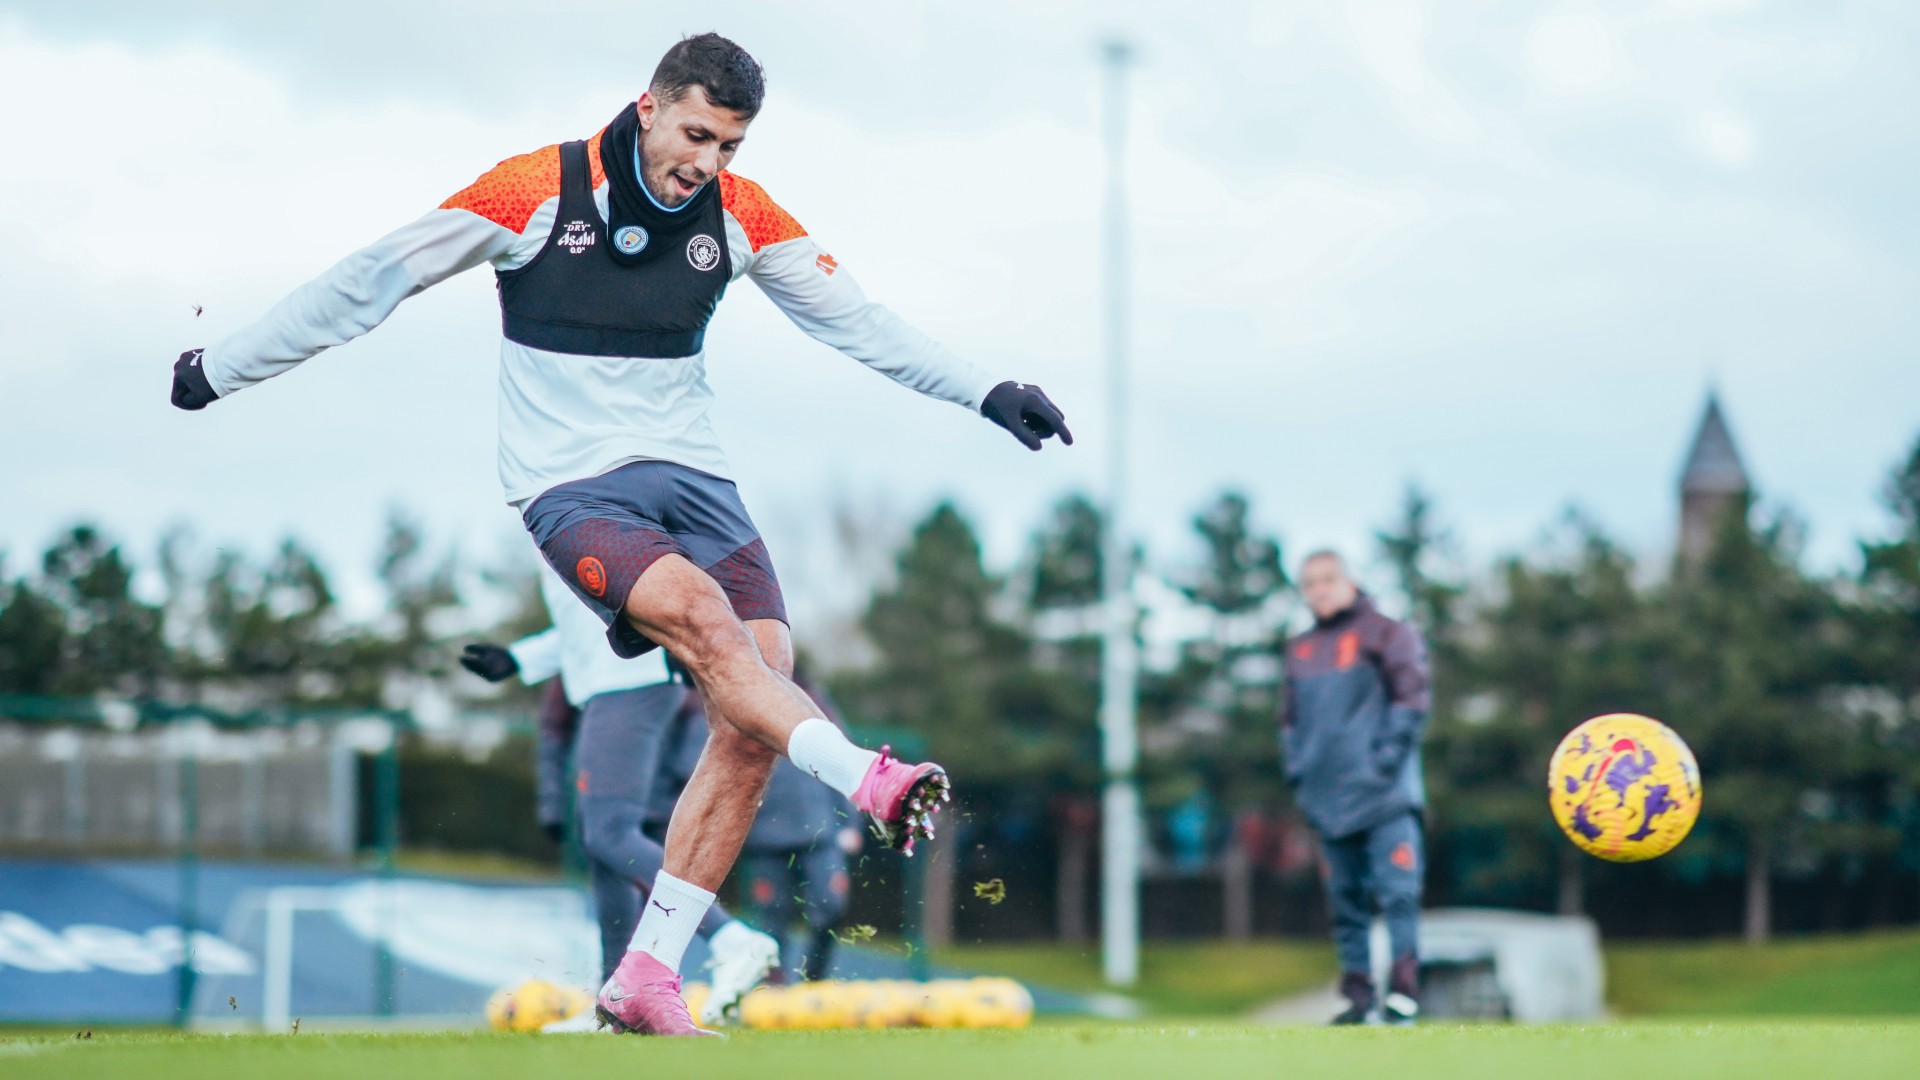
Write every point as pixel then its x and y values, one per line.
pixel 1328 590
pixel 685 143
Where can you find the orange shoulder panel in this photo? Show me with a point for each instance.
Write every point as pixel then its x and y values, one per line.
pixel 511 191
pixel 762 219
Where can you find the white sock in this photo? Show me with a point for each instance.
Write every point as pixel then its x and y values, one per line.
pixel 671 918
pixel 822 749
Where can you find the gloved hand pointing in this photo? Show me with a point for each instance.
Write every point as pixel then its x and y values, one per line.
pixel 1026 412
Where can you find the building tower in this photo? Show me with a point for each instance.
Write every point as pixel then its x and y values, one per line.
pixel 1712 484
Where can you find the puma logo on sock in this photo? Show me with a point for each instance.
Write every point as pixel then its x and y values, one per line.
pixel 664 908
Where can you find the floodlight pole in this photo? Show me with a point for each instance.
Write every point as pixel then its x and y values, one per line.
pixel 1120 749
pixel 189 809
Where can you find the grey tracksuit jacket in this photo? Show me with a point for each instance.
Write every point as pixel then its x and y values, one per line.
pixel 1356 701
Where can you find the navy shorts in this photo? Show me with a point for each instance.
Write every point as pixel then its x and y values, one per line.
pixel 602 533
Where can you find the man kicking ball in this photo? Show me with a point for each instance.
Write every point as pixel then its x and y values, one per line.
pixel 611 254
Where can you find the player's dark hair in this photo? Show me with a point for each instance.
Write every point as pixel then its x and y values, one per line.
pixel 732 78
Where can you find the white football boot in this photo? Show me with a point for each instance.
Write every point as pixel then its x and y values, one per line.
pixel 742 958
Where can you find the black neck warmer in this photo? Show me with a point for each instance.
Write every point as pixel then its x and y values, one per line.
pixel 627 199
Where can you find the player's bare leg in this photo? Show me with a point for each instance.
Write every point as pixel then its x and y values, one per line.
pixel 741 670
pixel 742 675
pixel 709 835
pixel 755 712
pixel 714 813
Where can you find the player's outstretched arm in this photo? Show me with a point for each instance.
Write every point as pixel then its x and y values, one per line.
pixel 821 297
pixel 349 299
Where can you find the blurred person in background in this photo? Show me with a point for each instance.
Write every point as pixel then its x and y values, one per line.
pixel 1356 700
pixel 794 864
pixel 612 720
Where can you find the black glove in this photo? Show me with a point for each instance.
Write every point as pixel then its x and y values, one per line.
pixel 490 662
pixel 1392 745
pixel 1025 411
pixel 191 390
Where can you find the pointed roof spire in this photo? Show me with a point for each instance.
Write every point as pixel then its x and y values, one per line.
pixel 1713 465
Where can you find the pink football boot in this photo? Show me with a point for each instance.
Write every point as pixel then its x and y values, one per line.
pixel 901 799
pixel 643 998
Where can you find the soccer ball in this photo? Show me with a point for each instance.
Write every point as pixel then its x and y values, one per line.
pixel 577 1001
pixel 766 1008
pixel 811 1007
pixel 998 1003
pixel 530 1006
pixel 1624 787
pixel 842 1003
pixel 886 1003
pixel 941 1003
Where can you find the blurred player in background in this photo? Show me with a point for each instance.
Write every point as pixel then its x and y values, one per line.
pixel 610 254
pixel 612 720
pixel 794 864
pixel 1356 705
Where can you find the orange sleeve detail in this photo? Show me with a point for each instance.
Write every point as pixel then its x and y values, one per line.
pixel 762 219
pixel 511 191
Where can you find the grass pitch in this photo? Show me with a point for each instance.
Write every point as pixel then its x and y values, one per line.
pixel 1861 975
pixel 1855 1051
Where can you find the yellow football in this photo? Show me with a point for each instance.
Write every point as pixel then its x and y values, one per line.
pixel 529 1006
pixel 1624 787
pixel 810 1007
pixel 766 1008
pixel 998 1002
pixel 888 1003
pixel 941 1003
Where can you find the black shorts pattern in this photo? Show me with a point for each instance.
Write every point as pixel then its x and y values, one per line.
pixel 602 533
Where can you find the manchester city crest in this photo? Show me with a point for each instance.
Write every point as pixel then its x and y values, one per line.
pixel 630 239
pixel 703 252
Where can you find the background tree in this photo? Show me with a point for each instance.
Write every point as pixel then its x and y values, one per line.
pixel 1563 640
pixel 1215 712
pixel 1420 551
pixel 392 661
pixel 1062 601
pixel 949 667
pixel 270 631
pixel 114 640
pixel 1747 648
pixel 1881 703
pixel 1063 595
pixel 33 639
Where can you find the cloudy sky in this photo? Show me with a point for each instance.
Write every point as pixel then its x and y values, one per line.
pixel 1499 248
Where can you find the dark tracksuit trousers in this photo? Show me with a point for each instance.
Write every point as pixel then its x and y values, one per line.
pixel 793 861
pixel 809 882
pixel 1377 869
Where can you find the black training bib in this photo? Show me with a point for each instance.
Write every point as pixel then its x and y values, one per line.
pixel 643 287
